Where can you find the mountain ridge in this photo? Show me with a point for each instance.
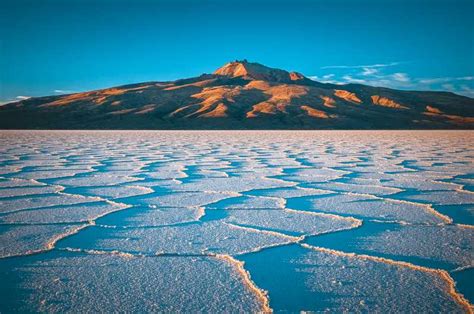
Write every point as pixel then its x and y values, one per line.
pixel 242 95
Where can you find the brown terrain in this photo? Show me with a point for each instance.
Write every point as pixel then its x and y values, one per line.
pixel 242 95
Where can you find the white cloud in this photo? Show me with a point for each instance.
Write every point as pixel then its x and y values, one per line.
pixel 325 79
pixel 371 74
pixel 17 98
pixel 328 76
pixel 466 91
pixel 462 85
pixel 369 66
pixel 369 71
pixel 467 88
pixel 350 79
pixel 62 91
pixel 380 76
pixel 438 80
pixel 400 77
pixel 448 87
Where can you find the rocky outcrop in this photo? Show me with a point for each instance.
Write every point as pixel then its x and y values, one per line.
pixel 385 102
pixel 435 112
pixel 346 95
pixel 315 113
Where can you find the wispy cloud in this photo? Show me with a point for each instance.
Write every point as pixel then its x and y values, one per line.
pixel 401 77
pixel 437 80
pixel 462 89
pixel 17 98
pixel 369 66
pixel 350 79
pixel 369 71
pixel 376 74
pixel 328 78
pixel 64 91
pixel 462 85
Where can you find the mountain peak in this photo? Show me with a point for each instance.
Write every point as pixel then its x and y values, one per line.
pixel 235 68
pixel 257 71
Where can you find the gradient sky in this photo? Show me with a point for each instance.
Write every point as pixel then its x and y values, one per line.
pixel 59 46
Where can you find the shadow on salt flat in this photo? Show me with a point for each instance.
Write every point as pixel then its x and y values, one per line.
pixel 366 207
pixel 299 279
pixel 444 246
pixel 461 214
pixel 61 214
pixel 191 238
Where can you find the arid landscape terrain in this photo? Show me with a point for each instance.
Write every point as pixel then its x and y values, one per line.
pixel 242 95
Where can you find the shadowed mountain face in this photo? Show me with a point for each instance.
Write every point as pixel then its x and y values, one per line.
pixel 242 95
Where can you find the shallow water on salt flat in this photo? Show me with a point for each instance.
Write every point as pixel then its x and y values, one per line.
pixel 161 221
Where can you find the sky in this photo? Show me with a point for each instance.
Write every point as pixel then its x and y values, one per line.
pixel 51 47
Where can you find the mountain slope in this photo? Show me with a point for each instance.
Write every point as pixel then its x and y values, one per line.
pixel 243 95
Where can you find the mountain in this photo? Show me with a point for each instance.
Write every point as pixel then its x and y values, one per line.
pixel 242 95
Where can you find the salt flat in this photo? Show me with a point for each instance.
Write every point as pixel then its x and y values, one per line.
pixel 232 221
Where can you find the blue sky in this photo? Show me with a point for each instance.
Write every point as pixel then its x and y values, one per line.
pixel 57 46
